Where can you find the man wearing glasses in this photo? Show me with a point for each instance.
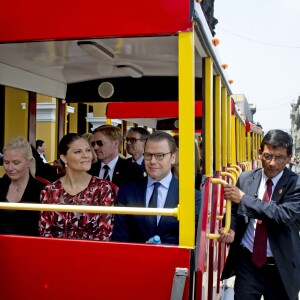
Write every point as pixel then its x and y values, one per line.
pixel 158 190
pixel 264 236
pixel 135 143
pixel 107 142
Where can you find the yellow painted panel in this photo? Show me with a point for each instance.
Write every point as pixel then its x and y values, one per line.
pixel 16 105
pixel 99 109
pixel 186 139
pixel 50 129
pixel 73 119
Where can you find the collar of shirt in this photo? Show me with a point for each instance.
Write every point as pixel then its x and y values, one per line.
pixel 162 190
pixel 43 157
pixel 112 165
pixel 139 161
pixel 263 181
pixel 164 182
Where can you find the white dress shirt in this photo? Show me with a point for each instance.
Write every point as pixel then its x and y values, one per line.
pixel 112 165
pixel 162 191
pixel 248 238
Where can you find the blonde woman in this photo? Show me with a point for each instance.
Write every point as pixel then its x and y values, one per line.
pixel 18 185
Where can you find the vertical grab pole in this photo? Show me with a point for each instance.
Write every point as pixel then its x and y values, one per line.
pixel 224 127
pixel 216 199
pixel 233 134
pixel 208 117
pixel 186 64
pixel 229 131
pixel 217 125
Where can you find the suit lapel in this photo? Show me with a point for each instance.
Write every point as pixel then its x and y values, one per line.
pixel 252 185
pixel 171 200
pixel 141 194
pixel 253 182
pixel 281 186
pixel 117 170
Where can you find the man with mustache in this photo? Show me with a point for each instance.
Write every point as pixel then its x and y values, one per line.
pixel 264 236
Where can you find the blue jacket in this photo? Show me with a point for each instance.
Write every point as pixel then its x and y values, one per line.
pixel 136 229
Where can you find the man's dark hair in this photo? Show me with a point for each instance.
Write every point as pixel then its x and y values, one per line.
pixel 39 143
pixel 278 138
pixel 141 130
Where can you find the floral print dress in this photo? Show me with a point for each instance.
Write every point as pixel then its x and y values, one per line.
pixel 73 225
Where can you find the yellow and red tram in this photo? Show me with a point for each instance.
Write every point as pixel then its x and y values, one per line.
pixel 151 56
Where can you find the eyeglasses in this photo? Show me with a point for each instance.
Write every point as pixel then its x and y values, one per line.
pixel 132 140
pixel 269 157
pixel 99 143
pixel 158 156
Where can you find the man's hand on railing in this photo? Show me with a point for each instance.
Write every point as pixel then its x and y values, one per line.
pixel 231 192
pixel 226 238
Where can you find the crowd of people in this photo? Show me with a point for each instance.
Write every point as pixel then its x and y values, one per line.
pixel 92 172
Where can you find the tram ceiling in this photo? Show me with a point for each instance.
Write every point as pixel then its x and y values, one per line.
pixel 129 89
pixel 65 63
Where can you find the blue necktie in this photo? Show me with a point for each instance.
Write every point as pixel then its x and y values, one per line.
pixel 106 176
pixel 153 204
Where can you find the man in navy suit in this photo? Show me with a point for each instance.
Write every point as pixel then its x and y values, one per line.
pixel 107 142
pixel 159 155
pixel 276 274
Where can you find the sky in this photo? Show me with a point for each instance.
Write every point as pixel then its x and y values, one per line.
pixel 260 42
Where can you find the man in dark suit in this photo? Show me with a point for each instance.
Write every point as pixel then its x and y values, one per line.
pixel 107 142
pixel 135 143
pixel 41 148
pixel 159 155
pixel 265 250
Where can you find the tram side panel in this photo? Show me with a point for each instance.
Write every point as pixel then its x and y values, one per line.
pixel 44 268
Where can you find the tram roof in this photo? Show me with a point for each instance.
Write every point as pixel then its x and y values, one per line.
pixel 40 47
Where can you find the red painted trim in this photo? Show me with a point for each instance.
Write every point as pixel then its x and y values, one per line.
pixel 55 19
pixel 232 106
pixel 32 117
pixel 221 246
pixel 213 254
pixel 201 267
pixel 75 269
pixel 163 109
pixel 61 119
pixel 196 131
pixel 247 126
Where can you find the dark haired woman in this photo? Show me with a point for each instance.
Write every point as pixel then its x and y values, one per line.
pixel 77 187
